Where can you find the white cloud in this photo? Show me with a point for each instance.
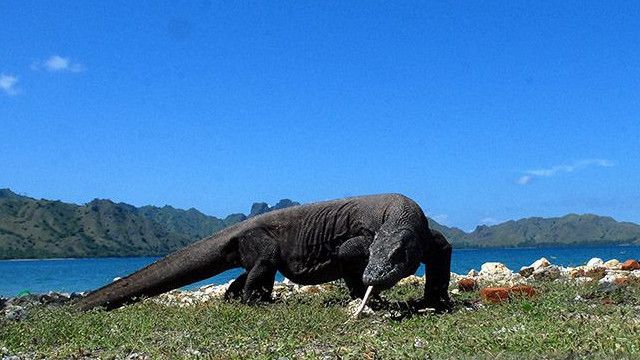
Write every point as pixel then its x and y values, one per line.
pixel 8 84
pixel 524 179
pixel 529 175
pixel 57 63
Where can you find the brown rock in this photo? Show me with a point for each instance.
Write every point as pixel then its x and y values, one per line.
pixel 466 284
pixel 494 294
pixel 630 265
pixel 499 294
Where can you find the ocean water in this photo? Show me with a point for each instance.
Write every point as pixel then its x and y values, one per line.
pixel 68 275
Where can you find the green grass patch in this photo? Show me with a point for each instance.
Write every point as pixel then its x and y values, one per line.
pixel 552 325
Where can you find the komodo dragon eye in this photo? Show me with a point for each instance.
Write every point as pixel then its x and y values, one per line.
pixel 398 256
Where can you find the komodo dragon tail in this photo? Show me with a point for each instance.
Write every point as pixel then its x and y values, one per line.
pixel 201 260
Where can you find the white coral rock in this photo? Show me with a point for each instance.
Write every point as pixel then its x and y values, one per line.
pixel 595 262
pixel 540 263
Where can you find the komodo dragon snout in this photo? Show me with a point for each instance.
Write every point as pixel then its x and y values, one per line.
pixel 393 255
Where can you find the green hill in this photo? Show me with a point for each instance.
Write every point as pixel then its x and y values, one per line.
pixel 569 230
pixel 31 228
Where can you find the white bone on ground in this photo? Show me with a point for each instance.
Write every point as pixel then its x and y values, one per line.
pixel 364 302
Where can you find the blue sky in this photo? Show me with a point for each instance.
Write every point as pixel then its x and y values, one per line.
pixel 480 112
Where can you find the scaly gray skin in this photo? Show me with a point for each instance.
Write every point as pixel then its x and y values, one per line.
pixel 368 240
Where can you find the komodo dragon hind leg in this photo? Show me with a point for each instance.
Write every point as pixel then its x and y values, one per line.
pixel 235 289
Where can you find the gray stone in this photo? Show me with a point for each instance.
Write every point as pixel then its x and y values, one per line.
pixel 14 313
pixel 611 282
pixel 526 271
pixel 551 272
pixel 76 295
pixel 137 356
pixel 54 298
pixel 26 300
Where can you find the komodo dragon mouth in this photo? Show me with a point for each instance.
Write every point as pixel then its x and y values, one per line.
pixel 392 256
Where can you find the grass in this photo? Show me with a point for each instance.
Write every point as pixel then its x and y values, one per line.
pixel 552 325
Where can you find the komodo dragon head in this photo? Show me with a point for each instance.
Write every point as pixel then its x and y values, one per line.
pixel 393 255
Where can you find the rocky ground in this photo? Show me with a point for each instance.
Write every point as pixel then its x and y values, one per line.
pixel 492 277
pixel 555 288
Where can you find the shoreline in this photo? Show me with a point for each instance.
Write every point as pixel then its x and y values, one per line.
pixel 83 274
pixel 455 249
pixel 491 273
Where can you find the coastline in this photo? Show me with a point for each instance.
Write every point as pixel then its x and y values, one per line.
pixel 83 274
pixel 587 246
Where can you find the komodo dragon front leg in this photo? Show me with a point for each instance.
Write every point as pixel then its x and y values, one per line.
pixel 258 254
pixel 259 284
pixel 258 289
pixel 254 285
pixel 354 256
pixel 237 287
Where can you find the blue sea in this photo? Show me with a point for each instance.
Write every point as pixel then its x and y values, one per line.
pixel 69 275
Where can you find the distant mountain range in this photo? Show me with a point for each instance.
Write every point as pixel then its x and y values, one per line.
pixel 568 230
pixel 31 228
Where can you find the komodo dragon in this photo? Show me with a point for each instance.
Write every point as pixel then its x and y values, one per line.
pixel 368 241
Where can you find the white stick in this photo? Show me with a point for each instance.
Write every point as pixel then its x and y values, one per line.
pixel 364 302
